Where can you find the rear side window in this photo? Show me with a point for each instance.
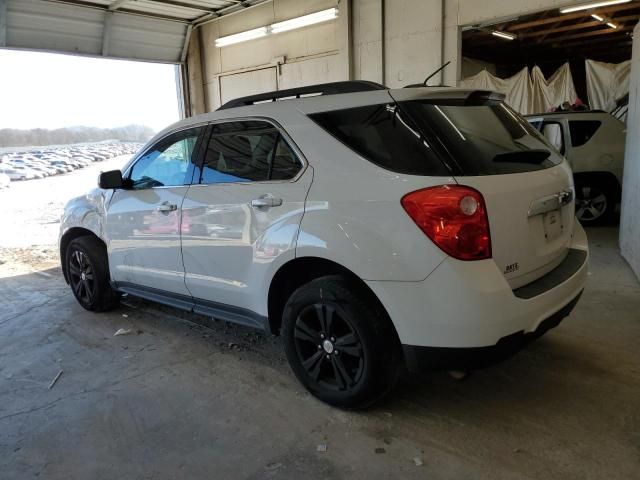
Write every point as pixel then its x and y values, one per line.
pixel 385 137
pixel 251 151
pixel 582 131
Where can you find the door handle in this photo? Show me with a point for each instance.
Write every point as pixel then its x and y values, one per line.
pixel 266 201
pixel 166 207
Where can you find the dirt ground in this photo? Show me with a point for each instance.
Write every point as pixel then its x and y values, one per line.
pixel 182 396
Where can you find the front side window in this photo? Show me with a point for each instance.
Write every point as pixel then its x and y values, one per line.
pixel 250 151
pixel 169 163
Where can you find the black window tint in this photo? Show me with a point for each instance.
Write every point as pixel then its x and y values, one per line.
pixel 247 152
pixel 169 163
pixel 383 135
pixel 284 164
pixel 582 130
pixel 482 139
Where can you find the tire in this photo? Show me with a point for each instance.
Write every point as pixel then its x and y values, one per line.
pixel 596 201
pixel 340 344
pixel 88 274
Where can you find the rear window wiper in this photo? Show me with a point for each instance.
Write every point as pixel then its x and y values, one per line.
pixel 534 156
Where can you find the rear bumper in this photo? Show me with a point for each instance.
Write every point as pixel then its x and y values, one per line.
pixel 470 305
pixel 440 358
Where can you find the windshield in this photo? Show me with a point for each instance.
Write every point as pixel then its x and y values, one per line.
pixel 487 139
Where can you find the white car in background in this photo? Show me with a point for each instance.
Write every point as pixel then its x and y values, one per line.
pixel 593 142
pixel 369 227
pixel 5 181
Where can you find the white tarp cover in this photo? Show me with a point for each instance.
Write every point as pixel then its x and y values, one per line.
pixel 529 93
pixel 606 83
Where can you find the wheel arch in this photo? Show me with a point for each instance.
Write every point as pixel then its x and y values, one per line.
pixel 301 270
pixel 68 236
pixel 602 177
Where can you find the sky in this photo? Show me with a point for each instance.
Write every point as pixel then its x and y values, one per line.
pixel 45 90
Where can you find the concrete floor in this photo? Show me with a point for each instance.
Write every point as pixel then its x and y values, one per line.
pixel 179 400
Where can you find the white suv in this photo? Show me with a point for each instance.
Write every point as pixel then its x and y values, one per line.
pixel 369 227
pixel 593 143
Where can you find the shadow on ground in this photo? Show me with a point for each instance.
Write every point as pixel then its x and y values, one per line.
pixel 182 396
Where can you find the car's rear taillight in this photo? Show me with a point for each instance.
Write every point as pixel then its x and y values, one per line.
pixel 454 217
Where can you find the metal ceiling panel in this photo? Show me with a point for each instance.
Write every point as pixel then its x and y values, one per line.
pixel 65 28
pixel 143 38
pixel 159 8
pixel 148 30
pixel 33 24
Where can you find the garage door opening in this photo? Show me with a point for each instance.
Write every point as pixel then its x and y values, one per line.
pixel 53 91
pixel 64 119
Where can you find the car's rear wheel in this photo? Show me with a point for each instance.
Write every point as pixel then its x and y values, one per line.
pixel 88 274
pixel 595 201
pixel 340 344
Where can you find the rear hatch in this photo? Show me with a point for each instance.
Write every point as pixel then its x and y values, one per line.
pixel 526 185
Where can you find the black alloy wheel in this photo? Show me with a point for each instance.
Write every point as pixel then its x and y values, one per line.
pixel 81 277
pixel 328 347
pixel 87 272
pixel 340 342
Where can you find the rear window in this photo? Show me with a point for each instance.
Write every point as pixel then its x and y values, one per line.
pixel 384 136
pixel 582 130
pixel 485 139
pixel 436 139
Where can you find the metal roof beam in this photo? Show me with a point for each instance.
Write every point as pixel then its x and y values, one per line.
pixel 117 4
pixel 106 32
pixel 185 45
pixel 573 16
pixel 3 23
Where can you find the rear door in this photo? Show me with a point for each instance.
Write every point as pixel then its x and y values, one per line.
pixel 527 187
pixel 244 214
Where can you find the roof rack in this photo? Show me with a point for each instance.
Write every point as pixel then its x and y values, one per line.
pixel 333 88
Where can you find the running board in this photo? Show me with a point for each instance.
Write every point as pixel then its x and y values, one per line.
pixel 219 311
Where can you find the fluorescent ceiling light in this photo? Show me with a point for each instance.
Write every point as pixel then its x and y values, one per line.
pixel 505 35
pixel 305 20
pixel 587 6
pixel 242 36
pixel 598 17
pixel 612 25
pixel 299 22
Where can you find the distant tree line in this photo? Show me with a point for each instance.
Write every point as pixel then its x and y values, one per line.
pixel 10 137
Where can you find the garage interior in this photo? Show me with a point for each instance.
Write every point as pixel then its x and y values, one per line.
pixel 549 39
pixel 190 397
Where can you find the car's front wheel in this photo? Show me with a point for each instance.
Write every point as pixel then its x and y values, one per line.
pixel 88 274
pixel 340 344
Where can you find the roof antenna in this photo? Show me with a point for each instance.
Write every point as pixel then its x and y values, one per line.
pixel 426 80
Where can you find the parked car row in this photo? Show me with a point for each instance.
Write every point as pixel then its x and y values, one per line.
pixel 44 161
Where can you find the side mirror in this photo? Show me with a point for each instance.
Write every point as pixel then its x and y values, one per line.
pixel 110 180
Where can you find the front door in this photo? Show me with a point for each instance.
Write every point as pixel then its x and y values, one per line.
pixel 144 220
pixel 244 214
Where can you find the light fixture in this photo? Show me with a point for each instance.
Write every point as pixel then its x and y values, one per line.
pixel 242 36
pixel 587 6
pixel 597 17
pixel 612 25
pixel 504 35
pixel 305 20
pixel 278 27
